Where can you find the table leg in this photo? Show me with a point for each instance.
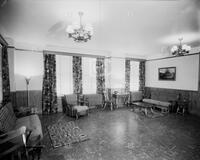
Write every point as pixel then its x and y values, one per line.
pixel 111 106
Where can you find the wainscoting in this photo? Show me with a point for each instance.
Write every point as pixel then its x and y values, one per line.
pixel 19 99
pixel 171 94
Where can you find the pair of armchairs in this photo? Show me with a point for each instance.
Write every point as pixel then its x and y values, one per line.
pixel 19 136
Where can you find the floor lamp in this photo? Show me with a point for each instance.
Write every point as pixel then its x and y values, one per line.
pixel 27 91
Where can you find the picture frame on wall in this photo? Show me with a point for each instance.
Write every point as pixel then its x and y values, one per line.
pixel 167 73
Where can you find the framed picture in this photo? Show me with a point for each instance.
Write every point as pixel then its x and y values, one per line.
pixel 167 73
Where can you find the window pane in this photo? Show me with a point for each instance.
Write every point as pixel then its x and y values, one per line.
pixel 134 76
pixel 64 77
pixel 117 73
pixel 89 75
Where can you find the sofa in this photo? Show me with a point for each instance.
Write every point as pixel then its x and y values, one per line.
pixel 163 106
pixel 138 97
pixel 91 100
pixel 9 122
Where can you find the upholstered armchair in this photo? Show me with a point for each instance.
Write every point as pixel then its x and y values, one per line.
pixel 68 101
pixel 74 105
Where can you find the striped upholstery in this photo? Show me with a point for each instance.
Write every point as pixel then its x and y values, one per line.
pixel 7 118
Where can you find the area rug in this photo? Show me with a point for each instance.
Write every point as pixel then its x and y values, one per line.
pixel 65 134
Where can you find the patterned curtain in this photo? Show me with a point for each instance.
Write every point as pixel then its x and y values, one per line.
pixel 49 96
pixel 100 68
pixel 127 75
pixel 5 76
pixel 77 75
pixel 142 76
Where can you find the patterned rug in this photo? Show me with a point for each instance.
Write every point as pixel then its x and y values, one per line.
pixel 65 134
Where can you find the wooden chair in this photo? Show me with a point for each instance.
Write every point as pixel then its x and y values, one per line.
pixel 109 99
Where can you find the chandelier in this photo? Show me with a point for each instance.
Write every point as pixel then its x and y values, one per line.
pixel 180 50
pixel 80 32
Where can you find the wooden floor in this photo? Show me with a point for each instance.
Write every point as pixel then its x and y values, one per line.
pixel 124 135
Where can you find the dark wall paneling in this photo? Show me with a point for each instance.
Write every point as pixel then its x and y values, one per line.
pixel 19 99
pixel 171 94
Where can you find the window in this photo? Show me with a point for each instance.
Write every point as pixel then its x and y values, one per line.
pixel 89 75
pixel 134 76
pixel 117 73
pixel 64 76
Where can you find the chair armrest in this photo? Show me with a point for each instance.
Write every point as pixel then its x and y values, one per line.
pixel 13 134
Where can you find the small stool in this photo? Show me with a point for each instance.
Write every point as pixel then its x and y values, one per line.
pixel 81 110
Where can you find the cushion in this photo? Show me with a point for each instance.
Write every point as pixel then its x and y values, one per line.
pixel 94 99
pixel 166 104
pixel 80 108
pixel 33 123
pixel 136 96
pixel 152 101
pixel 71 99
pixel 149 101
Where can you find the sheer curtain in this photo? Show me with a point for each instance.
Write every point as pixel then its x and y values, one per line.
pixel 134 76
pixel 64 75
pixel 89 75
pixel 118 74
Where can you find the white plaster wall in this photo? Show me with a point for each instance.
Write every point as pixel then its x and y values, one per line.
pixel 187 73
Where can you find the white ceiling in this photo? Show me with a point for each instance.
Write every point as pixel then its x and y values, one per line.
pixel 132 28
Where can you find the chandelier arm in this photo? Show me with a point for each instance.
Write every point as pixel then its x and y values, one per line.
pixel 80 15
pixel 180 39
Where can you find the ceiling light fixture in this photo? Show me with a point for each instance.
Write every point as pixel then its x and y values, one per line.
pixel 80 32
pixel 180 50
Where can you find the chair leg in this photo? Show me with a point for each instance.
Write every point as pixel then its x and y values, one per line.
pixel 104 105
pixel 19 155
pixel 111 106
pixel 76 115
pixel 39 153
